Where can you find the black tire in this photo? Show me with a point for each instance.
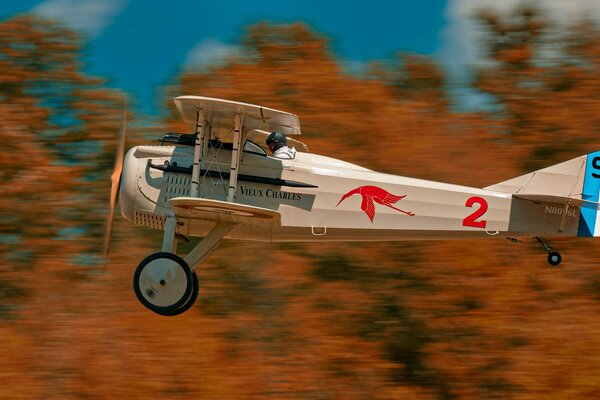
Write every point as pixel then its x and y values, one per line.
pixel 189 303
pixel 554 258
pixel 172 302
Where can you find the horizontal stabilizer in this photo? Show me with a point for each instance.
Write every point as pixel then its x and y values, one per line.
pixel 555 200
pixel 560 180
pixel 573 183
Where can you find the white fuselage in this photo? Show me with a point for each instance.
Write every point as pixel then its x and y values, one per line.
pixel 321 198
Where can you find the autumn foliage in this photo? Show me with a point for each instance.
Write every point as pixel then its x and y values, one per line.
pixel 422 320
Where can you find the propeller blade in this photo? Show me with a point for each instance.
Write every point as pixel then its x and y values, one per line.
pixel 115 180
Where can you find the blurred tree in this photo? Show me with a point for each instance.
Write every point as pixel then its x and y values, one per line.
pixel 404 320
pixel 543 79
pixel 291 68
pixel 421 82
pixel 395 119
pixel 441 331
pixel 58 128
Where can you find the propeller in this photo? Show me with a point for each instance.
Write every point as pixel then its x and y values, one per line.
pixel 115 179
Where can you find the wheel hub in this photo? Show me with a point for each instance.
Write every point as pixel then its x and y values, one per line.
pixel 163 282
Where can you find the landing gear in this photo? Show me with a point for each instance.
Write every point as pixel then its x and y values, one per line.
pixel 165 284
pixel 554 257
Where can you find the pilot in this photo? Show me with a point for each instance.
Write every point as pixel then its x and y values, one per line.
pixel 277 143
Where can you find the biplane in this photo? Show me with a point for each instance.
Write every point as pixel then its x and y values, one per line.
pixel 219 182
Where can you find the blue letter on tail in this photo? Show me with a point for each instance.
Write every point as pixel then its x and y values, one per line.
pixel 591 192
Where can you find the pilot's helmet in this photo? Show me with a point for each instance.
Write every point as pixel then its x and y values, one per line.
pixel 277 139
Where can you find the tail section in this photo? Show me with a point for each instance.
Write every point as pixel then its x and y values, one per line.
pixel 563 180
pixel 589 223
pixel 575 183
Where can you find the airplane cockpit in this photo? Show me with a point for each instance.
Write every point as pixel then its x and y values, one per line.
pixel 186 139
pixel 251 144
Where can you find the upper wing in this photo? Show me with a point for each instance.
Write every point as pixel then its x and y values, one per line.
pixel 221 113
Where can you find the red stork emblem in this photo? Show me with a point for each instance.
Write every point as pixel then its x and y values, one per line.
pixel 375 194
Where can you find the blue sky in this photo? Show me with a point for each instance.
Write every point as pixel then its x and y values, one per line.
pixel 138 45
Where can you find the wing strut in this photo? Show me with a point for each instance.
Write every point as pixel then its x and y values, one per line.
pixel 198 151
pixel 235 156
pixel 207 245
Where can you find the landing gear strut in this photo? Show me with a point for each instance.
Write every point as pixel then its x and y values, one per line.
pixel 166 283
pixel 554 257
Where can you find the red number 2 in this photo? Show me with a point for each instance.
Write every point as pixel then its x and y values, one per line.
pixel 471 220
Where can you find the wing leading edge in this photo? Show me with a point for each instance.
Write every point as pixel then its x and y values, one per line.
pixel 220 114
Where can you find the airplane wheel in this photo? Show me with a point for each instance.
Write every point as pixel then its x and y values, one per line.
pixel 187 305
pixel 164 283
pixel 554 258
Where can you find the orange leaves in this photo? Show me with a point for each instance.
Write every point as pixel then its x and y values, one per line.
pixel 458 319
